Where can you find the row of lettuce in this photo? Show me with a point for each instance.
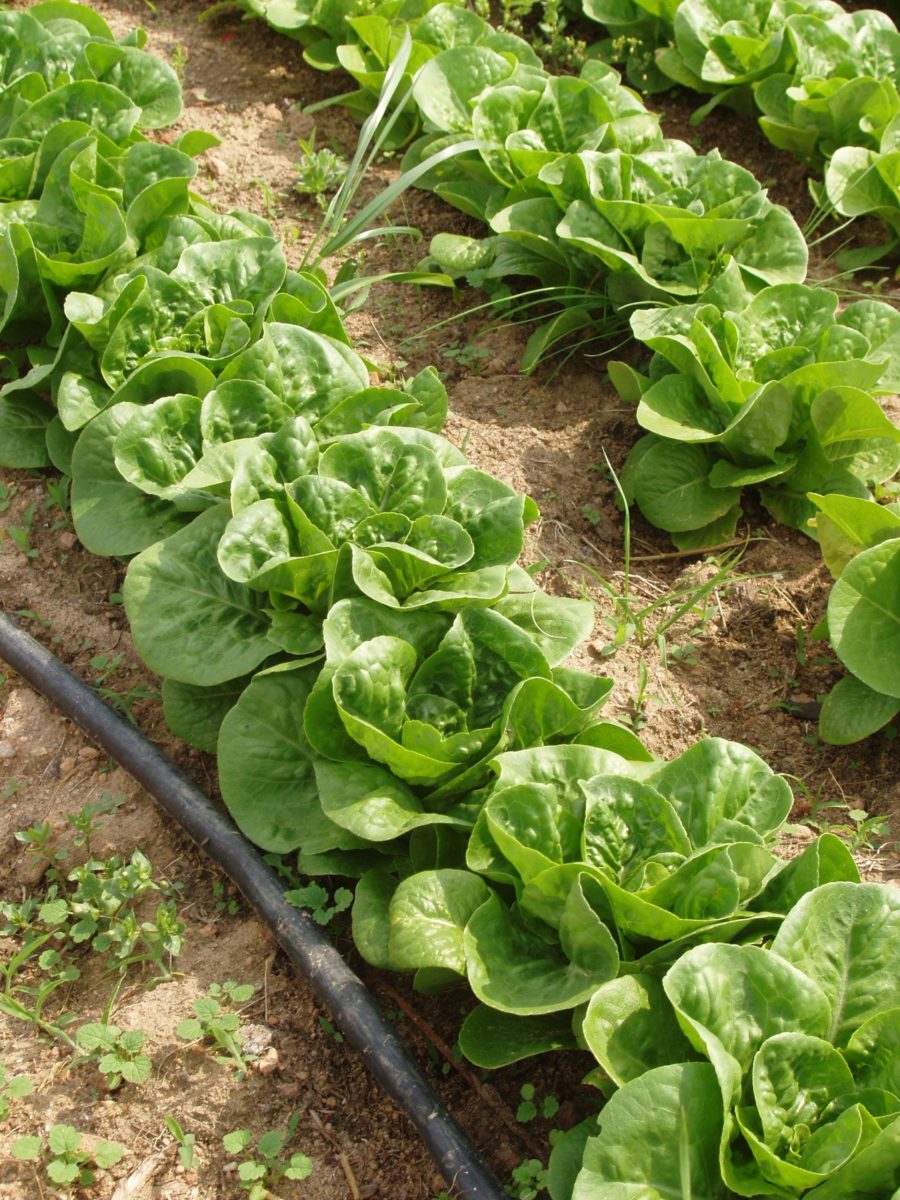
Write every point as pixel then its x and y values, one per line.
pixel 756 381
pixel 824 81
pixel 332 595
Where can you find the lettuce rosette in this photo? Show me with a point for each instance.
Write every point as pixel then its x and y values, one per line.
pixel 175 439
pixel 95 213
pixel 142 308
pixel 395 514
pixel 80 187
pixel 793 1088
pixel 661 224
pixel 719 46
pixel 387 735
pixel 861 181
pixel 285 559
pixel 52 45
pixel 777 392
pixel 583 863
pixel 840 85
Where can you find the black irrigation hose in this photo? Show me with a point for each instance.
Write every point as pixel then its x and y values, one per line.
pixel 348 999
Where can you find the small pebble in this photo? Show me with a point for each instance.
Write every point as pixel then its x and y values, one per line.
pixel 267 1061
pixel 67 540
pixel 88 752
pixel 7 750
pixel 256 1039
pixel 66 766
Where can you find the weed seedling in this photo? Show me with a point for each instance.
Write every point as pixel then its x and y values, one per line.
pixel 12 1089
pixel 7 491
pixel 58 496
pixel 85 822
pixel 217 1021
pixel 122 699
pixel 314 898
pixel 336 1034
pixel 118 1053
pixel 67 1162
pixel 103 903
pixel 529 1179
pixel 186 1142
pixel 31 615
pixel 263 1167
pixel 649 621
pixel 92 904
pixel 319 172
pixel 21 534
pixel 34 924
pixel 862 834
pixel 226 904
pixel 269 198
pixel 178 57
pixel 636 717
pixel 528 1108
pixel 467 355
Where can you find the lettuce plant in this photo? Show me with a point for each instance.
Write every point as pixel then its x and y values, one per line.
pixel 158 326
pixel 660 225
pixel 823 80
pixel 799 1096
pixel 457 38
pixel 95 213
pixel 860 543
pixel 388 733
pixel 717 45
pixel 861 181
pixel 777 392
pixel 524 116
pixel 596 863
pixel 395 514
pixel 80 187
pixel 53 44
pixel 841 85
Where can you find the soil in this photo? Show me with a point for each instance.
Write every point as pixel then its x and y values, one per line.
pixel 732 664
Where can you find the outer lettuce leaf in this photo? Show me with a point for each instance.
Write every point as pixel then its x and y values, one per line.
pixel 658 1138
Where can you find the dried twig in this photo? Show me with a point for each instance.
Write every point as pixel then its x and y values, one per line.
pixel 349 1176
pixel 133 1187
pixel 699 550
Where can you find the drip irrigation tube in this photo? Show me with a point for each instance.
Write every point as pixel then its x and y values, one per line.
pixel 350 1002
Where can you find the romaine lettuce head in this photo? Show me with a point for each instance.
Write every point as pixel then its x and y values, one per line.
pixel 53 45
pixel 808 1080
pixel 860 180
pixel 436 709
pixel 722 44
pixel 776 394
pixel 399 722
pixel 395 514
pixel 799 1096
pixel 667 223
